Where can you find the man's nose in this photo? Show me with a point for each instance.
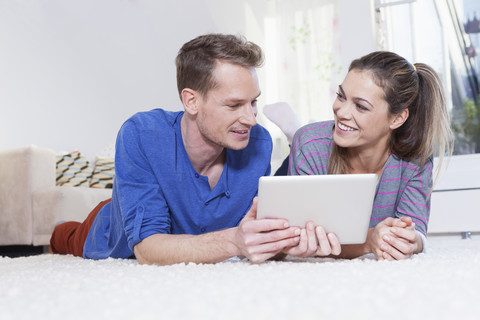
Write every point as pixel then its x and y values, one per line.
pixel 249 116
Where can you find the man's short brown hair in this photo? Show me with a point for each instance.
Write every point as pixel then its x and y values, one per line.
pixel 196 59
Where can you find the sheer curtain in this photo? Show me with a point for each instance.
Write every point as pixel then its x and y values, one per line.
pixel 302 57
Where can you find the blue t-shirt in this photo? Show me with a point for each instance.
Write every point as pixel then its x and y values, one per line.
pixel 157 190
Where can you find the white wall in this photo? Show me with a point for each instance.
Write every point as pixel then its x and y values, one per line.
pixel 357 29
pixel 72 71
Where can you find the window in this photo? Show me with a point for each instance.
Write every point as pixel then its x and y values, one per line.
pixel 432 32
pixel 302 62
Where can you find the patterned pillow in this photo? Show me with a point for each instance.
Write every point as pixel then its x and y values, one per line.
pixel 103 173
pixel 73 169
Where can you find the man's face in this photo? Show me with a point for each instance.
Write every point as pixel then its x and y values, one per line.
pixel 227 112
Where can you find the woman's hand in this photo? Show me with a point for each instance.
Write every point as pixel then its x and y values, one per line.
pixel 394 239
pixel 314 241
pixel 375 237
pixel 403 241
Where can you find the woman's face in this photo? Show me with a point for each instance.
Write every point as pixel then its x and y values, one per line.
pixel 361 114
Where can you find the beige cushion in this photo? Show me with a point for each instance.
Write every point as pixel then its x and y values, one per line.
pixel 74 170
pixel 103 173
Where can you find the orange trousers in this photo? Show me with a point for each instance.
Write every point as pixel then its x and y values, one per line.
pixel 69 237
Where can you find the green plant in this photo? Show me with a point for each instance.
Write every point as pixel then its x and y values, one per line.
pixel 466 124
pixel 326 67
pixel 300 34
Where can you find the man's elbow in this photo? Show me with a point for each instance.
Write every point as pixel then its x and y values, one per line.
pixel 140 254
pixel 141 260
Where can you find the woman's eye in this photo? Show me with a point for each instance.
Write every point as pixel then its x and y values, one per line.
pixel 360 107
pixel 340 96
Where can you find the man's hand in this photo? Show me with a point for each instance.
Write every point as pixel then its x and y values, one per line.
pixel 315 242
pixel 259 240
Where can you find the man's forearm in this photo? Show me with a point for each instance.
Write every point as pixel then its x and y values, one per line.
pixel 166 249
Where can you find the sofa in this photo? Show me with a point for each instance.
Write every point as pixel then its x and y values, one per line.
pixel 31 203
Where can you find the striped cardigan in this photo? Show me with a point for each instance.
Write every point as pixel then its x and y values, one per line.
pixel 402 189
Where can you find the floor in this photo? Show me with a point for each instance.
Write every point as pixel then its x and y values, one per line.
pixel 440 284
pixel 20 251
pixel 25 251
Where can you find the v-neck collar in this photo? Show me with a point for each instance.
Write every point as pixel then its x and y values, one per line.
pixel 221 188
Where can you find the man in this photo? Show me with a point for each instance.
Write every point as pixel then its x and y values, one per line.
pixel 185 181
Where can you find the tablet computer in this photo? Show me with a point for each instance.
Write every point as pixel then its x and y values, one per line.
pixel 341 203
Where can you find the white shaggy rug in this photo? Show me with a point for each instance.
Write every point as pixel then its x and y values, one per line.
pixel 442 284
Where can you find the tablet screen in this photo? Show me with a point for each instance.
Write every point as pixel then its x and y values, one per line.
pixel 342 204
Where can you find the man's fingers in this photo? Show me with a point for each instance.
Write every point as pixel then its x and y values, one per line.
pixel 272 236
pixel 259 258
pixel 263 225
pixel 301 248
pixel 272 247
pixel 252 213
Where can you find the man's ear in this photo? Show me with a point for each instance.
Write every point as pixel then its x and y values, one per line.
pixel 399 119
pixel 190 100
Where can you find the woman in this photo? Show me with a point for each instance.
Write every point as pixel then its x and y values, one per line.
pixel 389 118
